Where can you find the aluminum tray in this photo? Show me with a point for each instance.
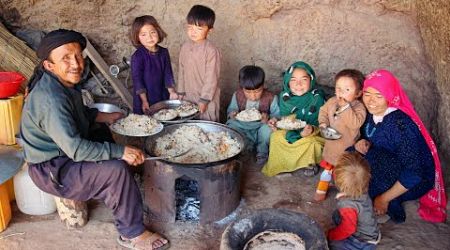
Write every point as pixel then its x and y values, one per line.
pixel 158 128
pixel 171 104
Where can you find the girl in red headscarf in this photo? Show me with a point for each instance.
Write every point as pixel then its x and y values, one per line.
pixel 402 155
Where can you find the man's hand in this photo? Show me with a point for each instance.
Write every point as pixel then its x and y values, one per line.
pixel 108 118
pixel 202 107
pixel 133 156
pixel 362 146
pixel 323 125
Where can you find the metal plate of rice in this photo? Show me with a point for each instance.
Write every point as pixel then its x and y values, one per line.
pixel 172 104
pixel 137 125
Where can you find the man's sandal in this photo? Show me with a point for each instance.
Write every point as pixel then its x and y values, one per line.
pixel 143 242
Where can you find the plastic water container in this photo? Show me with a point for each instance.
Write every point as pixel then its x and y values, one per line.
pixel 29 198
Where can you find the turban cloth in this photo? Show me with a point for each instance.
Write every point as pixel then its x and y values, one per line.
pixel 51 41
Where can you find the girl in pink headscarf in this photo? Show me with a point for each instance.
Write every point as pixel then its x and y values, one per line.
pixel 403 157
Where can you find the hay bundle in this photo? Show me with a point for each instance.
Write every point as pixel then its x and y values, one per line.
pixel 15 55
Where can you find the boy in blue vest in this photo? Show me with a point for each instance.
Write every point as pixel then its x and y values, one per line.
pixel 251 94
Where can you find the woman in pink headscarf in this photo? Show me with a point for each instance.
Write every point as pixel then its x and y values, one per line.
pixel 403 157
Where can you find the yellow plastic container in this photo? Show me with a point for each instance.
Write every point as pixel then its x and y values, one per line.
pixel 10 187
pixel 5 206
pixel 10 112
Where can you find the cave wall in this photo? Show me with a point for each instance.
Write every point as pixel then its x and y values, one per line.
pixel 434 23
pixel 408 37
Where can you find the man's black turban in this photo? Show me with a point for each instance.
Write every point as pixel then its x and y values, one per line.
pixel 57 38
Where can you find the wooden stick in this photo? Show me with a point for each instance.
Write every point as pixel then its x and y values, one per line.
pixel 101 65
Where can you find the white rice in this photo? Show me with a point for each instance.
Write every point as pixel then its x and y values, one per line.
pixel 205 146
pixel 136 125
pixel 249 115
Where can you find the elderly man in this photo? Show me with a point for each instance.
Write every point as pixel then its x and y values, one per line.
pixel 62 160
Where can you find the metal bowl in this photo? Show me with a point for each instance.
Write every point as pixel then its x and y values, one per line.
pixel 107 108
pixel 171 104
pixel 330 133
pixel 158 128
pixel 207 126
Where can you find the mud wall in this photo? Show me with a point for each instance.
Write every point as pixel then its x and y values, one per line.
pixel 408 37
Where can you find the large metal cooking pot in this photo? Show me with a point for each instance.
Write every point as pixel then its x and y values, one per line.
pixel 207 126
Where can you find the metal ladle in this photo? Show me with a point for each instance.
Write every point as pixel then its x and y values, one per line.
pixel 165 157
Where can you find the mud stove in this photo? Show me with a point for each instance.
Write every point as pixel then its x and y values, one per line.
pixel 201 193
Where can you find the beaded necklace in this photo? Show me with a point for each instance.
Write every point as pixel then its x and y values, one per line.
pixel 370 134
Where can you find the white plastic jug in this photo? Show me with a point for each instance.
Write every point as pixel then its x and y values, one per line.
pixel 30 199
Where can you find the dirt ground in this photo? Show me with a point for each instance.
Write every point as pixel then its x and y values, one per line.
pixel 292 192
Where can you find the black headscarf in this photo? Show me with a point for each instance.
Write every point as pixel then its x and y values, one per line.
pixel 51 41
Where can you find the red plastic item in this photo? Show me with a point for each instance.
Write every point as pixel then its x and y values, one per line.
pixel 10 83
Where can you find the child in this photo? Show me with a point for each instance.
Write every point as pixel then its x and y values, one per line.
pixel 297 149
pixel 356 225
pixel 251 94
pixel 346 114
pixel 199 67
pixel 151 70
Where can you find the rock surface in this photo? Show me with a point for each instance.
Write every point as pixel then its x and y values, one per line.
pixel 434 23
pixel 408 37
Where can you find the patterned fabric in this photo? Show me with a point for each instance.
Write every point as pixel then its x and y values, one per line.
pixel 433 204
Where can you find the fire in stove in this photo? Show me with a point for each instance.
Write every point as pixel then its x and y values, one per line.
pixel 187 199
